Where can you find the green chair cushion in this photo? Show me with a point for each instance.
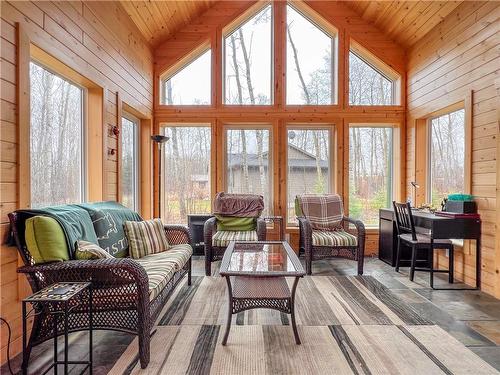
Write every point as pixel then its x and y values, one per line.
pixel 45 240
pixel 237 224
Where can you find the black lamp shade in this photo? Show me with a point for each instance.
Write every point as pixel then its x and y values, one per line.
pixel 158 138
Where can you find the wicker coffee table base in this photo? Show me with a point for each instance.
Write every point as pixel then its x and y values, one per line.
pixel 247 292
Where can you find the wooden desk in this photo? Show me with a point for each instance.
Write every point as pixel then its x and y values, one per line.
pixel 440 227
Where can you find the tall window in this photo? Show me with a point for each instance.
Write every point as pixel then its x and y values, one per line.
pixel 370 172
pixel 129 178
pixel 309 63
pixel 248 61
pixel 191 85
pixel 248 163
pixel 308 165
pixel 367 84
pixel 447 155
pixel 186 172
pixel 57 139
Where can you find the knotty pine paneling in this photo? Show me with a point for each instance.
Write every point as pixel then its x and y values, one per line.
pixel 458 56
pixel 114 55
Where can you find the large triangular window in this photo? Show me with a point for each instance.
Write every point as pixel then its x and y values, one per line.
pixel 191 84
pixel 248 61
pixel 310 61
pixel 370 81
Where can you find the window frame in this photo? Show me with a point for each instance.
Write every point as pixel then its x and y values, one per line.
pixel 332 162
pixel 271 159
pixel 137 155
pixel 84 142
pixel 194 123
pixel 428 187
pixel 231 28
pixel 328 29
pixel 380 67
pixel 181 65
pixel 395 161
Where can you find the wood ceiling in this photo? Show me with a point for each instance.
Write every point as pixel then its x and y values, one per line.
pixel 158 20
pixel 403 21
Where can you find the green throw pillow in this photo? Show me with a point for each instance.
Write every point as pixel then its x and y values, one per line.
pixel 241 224
pixel 298 210
pixel 45 240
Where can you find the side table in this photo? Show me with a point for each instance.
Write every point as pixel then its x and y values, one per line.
pixel 277 220
pixel 59 299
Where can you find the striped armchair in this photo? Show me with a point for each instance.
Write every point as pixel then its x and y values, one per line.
pixel 325 232
pixel 216 234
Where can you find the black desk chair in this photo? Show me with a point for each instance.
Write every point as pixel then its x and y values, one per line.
pixel 407 235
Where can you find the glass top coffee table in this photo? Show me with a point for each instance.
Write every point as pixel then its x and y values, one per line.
pixel 255 273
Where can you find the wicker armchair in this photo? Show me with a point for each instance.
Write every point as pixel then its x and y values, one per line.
pixel 215 253
pixel 119 286
pixel 315 251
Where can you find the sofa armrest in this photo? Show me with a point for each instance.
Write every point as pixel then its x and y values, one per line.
pixel 178 234
pixel 101 272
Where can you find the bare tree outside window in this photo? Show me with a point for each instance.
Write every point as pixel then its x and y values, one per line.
pixel 447 156
pixel 248 163
pixel 186 173
pixel 56 147
pixel 367 86
pixel 248 61
pixel 309 62
pixel 178 88
pixel 370 172
pixel 308 165
pixel 129 164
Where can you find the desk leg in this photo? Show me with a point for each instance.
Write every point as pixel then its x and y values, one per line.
pixel 478 262
pixel 292 311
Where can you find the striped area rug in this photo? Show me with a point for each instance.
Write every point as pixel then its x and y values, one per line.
pixel 347 324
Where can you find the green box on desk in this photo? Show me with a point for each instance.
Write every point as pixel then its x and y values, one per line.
pixel 461 207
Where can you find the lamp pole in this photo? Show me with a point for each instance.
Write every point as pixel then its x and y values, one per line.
pixel 159 139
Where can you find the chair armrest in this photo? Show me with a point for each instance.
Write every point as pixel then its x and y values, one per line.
pixel 305 226
pixel 360 227
pixel 261 229
pixel 210 228
pixel 178 234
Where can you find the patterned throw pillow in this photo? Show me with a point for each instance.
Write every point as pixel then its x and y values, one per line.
pixel 85 250
pixel 145 237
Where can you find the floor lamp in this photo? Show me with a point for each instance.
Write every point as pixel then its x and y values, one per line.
pixel 159 140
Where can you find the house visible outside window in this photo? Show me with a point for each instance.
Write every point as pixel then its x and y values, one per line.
pixel 446 156
pixel 57 139
pixel 370 172
pixel 308 165
pixel 368 85
pixel 249 163
pixel 129 178
pixel 177 88
pixel 248 61
pixel 310 62
pixel 186 172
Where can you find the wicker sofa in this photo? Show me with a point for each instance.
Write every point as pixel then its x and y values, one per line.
pixel 125 298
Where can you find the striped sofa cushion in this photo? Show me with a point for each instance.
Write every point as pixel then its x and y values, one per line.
pixel 338 238
pixel 222 238
pixel 145 237
pixel 161 267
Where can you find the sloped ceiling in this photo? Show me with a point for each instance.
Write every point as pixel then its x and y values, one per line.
pixel 405 22
pixel 158 20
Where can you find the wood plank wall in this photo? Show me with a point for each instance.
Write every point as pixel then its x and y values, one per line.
pixel 458 56
pixel 97 40
pixel 208 28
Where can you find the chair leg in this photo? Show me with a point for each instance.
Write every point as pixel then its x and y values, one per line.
pixel 398 254
pixel 208 261
pixel 308 262
pixel 144 349
pixel 190 267
pixel 413 261
pixel 451 266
